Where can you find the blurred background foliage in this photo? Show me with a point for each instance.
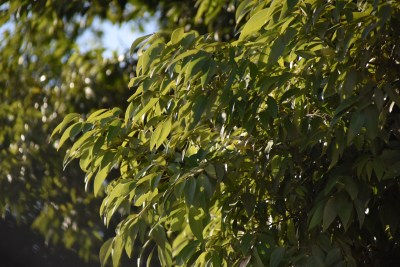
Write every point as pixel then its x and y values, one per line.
pixel 44 75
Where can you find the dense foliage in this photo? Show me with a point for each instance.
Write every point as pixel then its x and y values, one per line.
pixel 42 79
pixel 279 147
pixel 275 146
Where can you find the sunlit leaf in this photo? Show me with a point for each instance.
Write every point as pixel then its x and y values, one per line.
pixel 255 23
pixel 160 133
pixel 105 251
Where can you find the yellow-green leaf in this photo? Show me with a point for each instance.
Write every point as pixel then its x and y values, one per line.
pixel 255 23
pixel 105 251
pixel 100 177
pixel 68 118
pixel 117 250
pixel 138 41
pixel 160 134
pixel 70 132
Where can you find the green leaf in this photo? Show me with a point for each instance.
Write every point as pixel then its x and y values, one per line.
pixel 190 190
pixel 185 254
pixel 332 182
pixel 372 121
pixel 199 107
pixel 86 137
pixel 256 258
pixel 117 250
pixel 209 73
pixel 100 177
pixel 356 122
pixel 287 6
pixel 334 154
pixel 334 255
pixel 206 186
pixel 246 243
pixel 70 132
pixel 277 49
pixel 130 240
pixel 135 81
pixel 177 35
pixel 344 209
pixel 351 187
pixel 291 232
pixel 306 54
pixel 344 106
pixel 100 141
pixel 182 56
pixel 84 162
pixel 150 104
pixel 330 213
pixel 95 114
pixel 379 168
pixel 210 170
pixel 249 203
pixel 243 8
pixel 196 222
pixel 150 55
pixel 150 258
pixel 272 107
pixel 129 112
pixel 160 134
pixel 350 82
pixel 384 13
pixel 316 216
pixel 146 178
pixel 194 66
pixel 105 251
pixel 317 255
pixel 67 119
pixel 158 235
pixel 277 256
pixel 138 41
pixel 165 255
pixel 255 23
pixel 360 209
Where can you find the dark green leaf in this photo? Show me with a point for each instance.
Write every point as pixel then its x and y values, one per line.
pixel 199 108
pixel 330 213
pixel 277 49
pixel 334 255
pixel 344 208
pixel 196 222
pixel 356 122
pixel 190 190
pixel 277 257
pixel 316 216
